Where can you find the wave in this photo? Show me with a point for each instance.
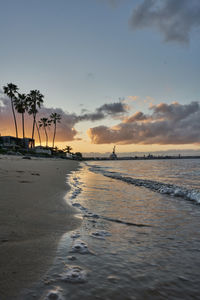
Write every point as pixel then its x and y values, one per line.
pixel 76 190
pixel 156 186
pixel 160 187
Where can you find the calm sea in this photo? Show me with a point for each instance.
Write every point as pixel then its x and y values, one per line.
pixel 140 235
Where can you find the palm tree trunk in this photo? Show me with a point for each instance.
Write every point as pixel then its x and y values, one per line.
pixel 23 125
pixel 33 130
pixel 38 130
pixel 46 136
pixel 54 135
pixel 15 121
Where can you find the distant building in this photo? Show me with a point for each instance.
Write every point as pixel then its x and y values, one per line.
pixel 42 150
pixel 113 155
pixel 69 155
pixel 12 142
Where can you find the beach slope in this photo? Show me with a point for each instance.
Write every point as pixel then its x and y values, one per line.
pixel 33 216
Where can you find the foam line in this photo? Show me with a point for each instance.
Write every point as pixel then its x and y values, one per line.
pixel 160 187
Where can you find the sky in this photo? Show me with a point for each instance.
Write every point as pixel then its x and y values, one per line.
pixel 120 72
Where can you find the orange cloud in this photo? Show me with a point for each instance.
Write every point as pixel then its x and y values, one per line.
pixel 65 129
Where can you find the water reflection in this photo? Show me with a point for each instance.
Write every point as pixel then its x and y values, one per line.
pixel 148 262
pixel 157 262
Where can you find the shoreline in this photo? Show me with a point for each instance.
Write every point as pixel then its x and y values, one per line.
pixel 139 158
pixel 33 217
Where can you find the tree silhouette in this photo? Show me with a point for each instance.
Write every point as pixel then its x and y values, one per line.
pixel 45 122
pixel 10 90
pixel 38 130
pixel 55 118
pixel 68 149
pixel 79 155
pixel 21 106
pixel 35 100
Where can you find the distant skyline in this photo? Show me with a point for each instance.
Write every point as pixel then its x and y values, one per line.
pixel 120 72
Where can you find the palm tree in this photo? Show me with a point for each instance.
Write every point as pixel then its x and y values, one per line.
pixel 68 149
pixel 10 90
pixel 55 118
pixel 45 122
pixel 79 155
pixel 35 100
pixel 56 149
pixel 21 106
pixel 38 130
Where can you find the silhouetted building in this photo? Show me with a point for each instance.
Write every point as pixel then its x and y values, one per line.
pixel 12 142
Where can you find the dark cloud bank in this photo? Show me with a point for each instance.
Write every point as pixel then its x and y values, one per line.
pixel 175 19
pixel 115 109
pixel 166 124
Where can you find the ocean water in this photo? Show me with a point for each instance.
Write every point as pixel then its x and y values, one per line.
pixel 140 234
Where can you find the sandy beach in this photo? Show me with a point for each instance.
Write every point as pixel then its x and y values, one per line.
pixel 33 217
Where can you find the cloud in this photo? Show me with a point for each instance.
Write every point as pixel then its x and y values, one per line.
pixel 138 116
pixel 133 98
pixel 167 124
pixel 113 108
pixel 175 19
pixel 116 109
pixel 175 111
pixel 65 130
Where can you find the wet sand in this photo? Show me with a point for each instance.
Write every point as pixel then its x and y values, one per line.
pixel 33 217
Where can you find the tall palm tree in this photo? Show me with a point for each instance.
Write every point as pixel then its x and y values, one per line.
pixel 21 106
pixel 55 118
pixel 10 90
pixel 38 130
pixel 45 122
pixel 35 100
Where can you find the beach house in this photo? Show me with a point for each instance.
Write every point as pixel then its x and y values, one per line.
pixel 10 142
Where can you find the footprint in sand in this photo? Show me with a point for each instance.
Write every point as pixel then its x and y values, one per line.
pixel 24 181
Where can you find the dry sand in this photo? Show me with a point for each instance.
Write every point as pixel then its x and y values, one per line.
pixel 33 217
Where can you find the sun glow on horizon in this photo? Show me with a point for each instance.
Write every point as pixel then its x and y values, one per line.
pixel 85 146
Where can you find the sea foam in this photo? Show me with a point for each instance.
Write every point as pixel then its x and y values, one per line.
pixel 54 294
pixel 160 187
pixel 100 234
pixel 74 274
pixel 80 247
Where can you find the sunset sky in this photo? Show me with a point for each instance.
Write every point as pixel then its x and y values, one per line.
pixel 123 73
